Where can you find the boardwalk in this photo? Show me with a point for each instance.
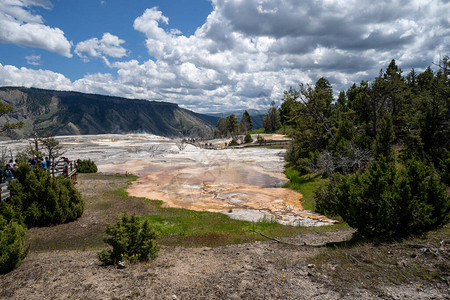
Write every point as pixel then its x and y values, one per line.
pixel 262 143
pixel 71 173
pixel 4 191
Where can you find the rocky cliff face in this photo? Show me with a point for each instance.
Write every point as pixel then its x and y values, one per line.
pixel 72 113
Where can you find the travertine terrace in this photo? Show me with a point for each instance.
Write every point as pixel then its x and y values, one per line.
pixel 244 183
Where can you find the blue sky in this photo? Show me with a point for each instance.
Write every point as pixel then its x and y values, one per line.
pixel 83 19
pixel 213 55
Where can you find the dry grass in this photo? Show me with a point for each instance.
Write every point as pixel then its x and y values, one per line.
pixel 102 206
pixel 370 265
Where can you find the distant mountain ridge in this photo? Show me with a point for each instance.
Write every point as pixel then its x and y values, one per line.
pixel 72 113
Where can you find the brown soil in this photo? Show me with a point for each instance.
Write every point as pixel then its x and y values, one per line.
pixel 259 270
pixel 250 271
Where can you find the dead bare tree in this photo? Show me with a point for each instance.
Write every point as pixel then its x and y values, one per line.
pixel 3 156
pixel 181 144
pixel 52 147
pixel 359 158
pixel 355 160
pixel 327 164
pixel 153 150
pixel 34 143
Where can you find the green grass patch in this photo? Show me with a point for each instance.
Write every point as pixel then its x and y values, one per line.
pixel 304 184
pixel 257 131
pixel 122 191
pixel 182 227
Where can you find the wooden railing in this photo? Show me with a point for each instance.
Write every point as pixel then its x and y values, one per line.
pixel 58 170
pixel 4 191
pixel 274 142
pixel 206 145
pixel 70 173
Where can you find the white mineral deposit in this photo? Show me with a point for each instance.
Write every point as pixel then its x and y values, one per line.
pixel 244 183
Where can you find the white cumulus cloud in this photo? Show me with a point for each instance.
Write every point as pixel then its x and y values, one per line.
pixel 248 52
pixel 108 45
pixel 13 76
pixel 255 49
pixel 20 26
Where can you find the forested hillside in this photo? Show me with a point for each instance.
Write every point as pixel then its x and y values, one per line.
pixel 383 145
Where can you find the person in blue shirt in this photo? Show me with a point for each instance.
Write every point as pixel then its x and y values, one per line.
pixel 44 164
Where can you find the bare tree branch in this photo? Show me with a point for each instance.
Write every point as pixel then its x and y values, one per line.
pixel 329 244
pixel 181 144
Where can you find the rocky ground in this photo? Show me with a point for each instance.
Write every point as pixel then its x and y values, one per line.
pixel 258 270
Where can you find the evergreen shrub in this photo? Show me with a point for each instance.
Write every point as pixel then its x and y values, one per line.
pixel 260 139
pixel 325 201
pixel 38 199
pixel 86 166
pixel 130 241
pixel 233 143
pixel 385 200
pixel 12 244
pixel 248 138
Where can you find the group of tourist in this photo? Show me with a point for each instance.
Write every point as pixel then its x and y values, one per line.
pixel 9 172
pixel 42 163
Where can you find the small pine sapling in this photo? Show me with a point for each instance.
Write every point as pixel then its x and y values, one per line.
pixel 130 241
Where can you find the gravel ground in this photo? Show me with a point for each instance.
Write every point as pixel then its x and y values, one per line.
pixel 259 270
